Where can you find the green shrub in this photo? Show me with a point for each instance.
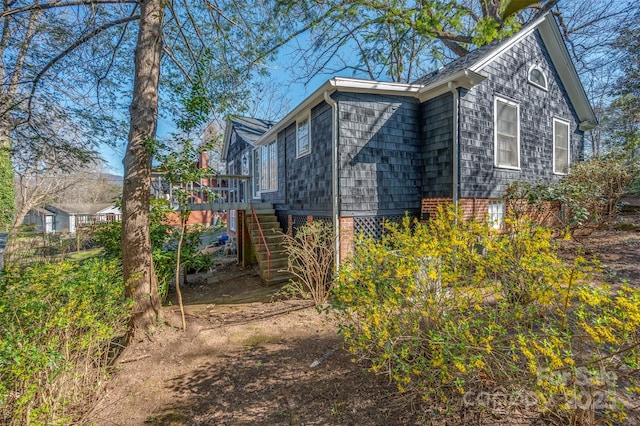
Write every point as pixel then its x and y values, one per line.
pixel 586 199
pixel 164 239
pixel 58 326
pixel 453 308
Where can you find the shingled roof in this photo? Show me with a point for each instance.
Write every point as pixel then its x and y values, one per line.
pixel 460 64
pixel 250 129
pixel 476 56
pixel 466 71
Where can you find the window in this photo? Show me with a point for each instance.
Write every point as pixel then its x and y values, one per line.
pixel 266 161
pixel 496 213
pixel 507 134
pixel 244 161
pixel 537 77
pixel 560 146
pixel 303 146
pixel 233 220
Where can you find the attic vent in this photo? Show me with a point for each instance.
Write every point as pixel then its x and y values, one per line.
pixel 537 77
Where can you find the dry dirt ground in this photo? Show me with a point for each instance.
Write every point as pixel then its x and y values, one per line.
pixel 245 360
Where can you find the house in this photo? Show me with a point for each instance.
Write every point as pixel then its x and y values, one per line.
pixel 69 217
pixel 41 218
pixel 242 157
pixel 202 198
pixel 358 152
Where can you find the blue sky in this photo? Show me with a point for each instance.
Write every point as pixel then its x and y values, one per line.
pixel 288 91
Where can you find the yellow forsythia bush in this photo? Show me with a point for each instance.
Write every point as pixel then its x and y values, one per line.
pixel 454 309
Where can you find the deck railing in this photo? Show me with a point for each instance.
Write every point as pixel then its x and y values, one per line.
pixel 215 192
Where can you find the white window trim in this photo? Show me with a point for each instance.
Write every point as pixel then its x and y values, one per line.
pixel 544 76
pixel 308 151
pixel 495 131
pixel 565 122
pixel 256 172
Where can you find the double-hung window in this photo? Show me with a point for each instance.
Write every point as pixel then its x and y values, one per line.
pixel 560 146
pixel 507 134
pixel 266 160
pixel 303 145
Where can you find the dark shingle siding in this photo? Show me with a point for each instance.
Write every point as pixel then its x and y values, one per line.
pixel 234 154
pixel 507 76
pixel 379 154
pixel 304 184
pixel 437 132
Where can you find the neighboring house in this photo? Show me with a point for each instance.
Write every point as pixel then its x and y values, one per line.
pixel 70 217
pixel 358 152
pixel 42 218
pixel 201 194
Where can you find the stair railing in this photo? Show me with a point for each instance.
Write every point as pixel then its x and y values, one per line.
pixel 261 238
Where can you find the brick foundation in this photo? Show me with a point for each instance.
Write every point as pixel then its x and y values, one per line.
pixel 347 243
pixel 202 217
pixel 476 208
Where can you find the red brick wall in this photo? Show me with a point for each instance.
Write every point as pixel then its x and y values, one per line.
pixel 203 217
pixel 545 214
pixel 471 207
pixel 346 237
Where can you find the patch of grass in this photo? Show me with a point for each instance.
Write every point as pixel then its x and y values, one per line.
pixel 258 339
pixel 626 226
pixel 84 254
pixel 171 417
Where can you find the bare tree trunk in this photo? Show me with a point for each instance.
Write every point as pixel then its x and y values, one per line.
pixel 139 276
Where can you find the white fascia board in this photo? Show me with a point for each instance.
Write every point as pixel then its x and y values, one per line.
pixel 335 84
pixel 111 209
pixel 515 39
pixel 379 87
pixel 227 139
pixel 554 42
pixel 561 59
pixel 464 78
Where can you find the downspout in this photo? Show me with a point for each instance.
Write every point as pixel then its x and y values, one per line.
pixel 456 141
pixel 334 174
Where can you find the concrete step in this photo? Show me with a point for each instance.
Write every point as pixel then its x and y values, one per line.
pixel 277 278
pixel 274 242
pixel 265 218
pixel 266 230
pixel 276 254
pixel 276 264
pixel 262 206
pixel 272 269
pixel 262 212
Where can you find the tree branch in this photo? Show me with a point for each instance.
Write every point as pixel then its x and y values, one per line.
pixel 71 48
pixel 45 6
pixel 177 63
pixel 113 55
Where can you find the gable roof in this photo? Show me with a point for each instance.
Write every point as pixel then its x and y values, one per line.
pixel 476 60
pixel 80 208
pixel 247 128
pixel 465 71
